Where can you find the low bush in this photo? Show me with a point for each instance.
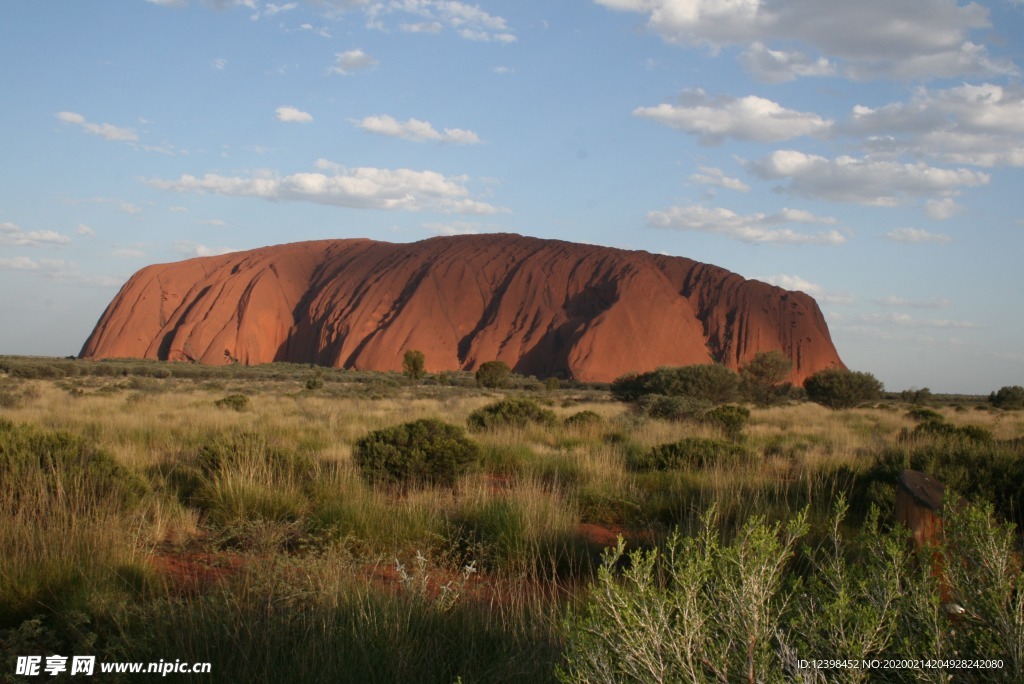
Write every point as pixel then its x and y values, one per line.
pixel 421 453
pixel 730 418
pixel 838 388
pixel 234 402
pixel 921 414
pixel 664 407
pixel 583 419
pixel 512 412
pixel 64 462
pixel 692 452
pixel 711 383
pixel 943 430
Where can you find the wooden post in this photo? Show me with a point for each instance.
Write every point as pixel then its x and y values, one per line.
pixel 919 507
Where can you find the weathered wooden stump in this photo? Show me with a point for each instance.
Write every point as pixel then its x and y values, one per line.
pixel 919 506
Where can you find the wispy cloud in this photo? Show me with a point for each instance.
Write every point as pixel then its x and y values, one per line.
pixel 903 302
pixel 13 235
pixel 59 270
pixel 907 40
pixel 348 62
pixel 752 228
pixel 415 129
pixel 713 120
pixel 916 236
pixel 795 282
pixel 862 180
pixel 332 184
pixel 104 130
pixel 712 176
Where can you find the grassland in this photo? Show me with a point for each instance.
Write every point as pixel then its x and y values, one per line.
pixel 161 525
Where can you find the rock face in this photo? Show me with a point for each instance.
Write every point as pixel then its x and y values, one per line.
pixel 545 307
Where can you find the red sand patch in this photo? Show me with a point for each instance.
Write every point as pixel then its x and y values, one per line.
pixel 192 573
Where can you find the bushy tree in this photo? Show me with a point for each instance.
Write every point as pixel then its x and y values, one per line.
pixel 764 377
pixel 492 374
pixel 414 364
pixel 707 382
pixel 1008 397
pixel 838 388
pixel 424 452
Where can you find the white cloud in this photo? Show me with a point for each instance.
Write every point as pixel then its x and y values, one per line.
pixel 85 230
pixel 128 253
pixel 709 175
pixel 916 236
pixel 105 130
pixel 713 120
pixel 863 181
pixel 982 125
pixel 906 39
pixel 194 249
pixel 350 61
pixel 59 270
pixel 13 235
pixel 752 228
pixel 129 208
pixel 414 129
pixel 433 16
pixel 219 64
pixel 903 302
pixel 795 282
pixel 779 66
pixel 362 188
pixel 460 228
pixel 289 114
pixel 942 209
pixel 422 27
pixel 216 223
pixel 906 320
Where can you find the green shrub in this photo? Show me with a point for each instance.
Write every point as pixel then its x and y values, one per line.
pixel 707 382
pixel 692 452
pixel 583 419
pixel 512 412
pixel 414 364
pixel 551 384
pixel 1009 397
pixel 664 407
pixel 763 378
pixel 234 402
pixel 697 611
pixel 838 388
pixel 315 381
pixel 251 451
pixel 65 462
pixel 944 430
pixel 730 418
pixel 424 452
pixel 492 374
pixel 921 414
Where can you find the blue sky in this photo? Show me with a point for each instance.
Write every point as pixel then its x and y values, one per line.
pixel 870 154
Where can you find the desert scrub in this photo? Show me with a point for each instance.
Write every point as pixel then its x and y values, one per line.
pixel 63 461
pixel 730 418
pixel 512 412
pixel 422 453
pixel 691 452
pixel 698 610
pixel 583 419
pixel 664 407
pixel 234 402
